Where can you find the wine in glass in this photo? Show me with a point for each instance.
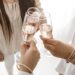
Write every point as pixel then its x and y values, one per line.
pixel 31 23
pixel 46 28
pixel 46 25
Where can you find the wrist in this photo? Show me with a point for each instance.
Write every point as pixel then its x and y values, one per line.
pixel 71 56
pixel 69 52
pixel 23 68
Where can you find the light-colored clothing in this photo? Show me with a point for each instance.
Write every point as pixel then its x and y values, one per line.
pixel 61 68
pixel 64 67
pixel 23 73
pixel 16 24
pixel 13 12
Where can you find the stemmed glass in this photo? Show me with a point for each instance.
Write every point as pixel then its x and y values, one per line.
pixel 46 27
pixel 31 24
pixel 36 19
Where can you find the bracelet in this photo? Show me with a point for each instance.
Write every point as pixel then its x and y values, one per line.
pixel 25 66
pixel 70 58
pixel 73 58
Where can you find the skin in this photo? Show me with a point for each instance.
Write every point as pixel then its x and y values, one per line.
pixel 29 55
pixel 58 48
pixel 29 52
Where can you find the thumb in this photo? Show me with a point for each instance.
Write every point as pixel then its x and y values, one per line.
pixel 23 48
pixel 33 45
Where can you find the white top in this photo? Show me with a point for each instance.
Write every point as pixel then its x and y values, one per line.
pixel 13 13
pixel 23 73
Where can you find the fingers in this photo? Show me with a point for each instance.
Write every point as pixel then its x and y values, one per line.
pixel 49 47
pixel 49 41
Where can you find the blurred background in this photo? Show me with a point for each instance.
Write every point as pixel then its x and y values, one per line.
pixel 62 14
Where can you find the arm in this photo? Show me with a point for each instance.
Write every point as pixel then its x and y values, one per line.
pixel 28 54
pixel 60 49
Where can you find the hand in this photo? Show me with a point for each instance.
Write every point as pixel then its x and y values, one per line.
pixel 29 55
pixel 57 48
pixel 1 56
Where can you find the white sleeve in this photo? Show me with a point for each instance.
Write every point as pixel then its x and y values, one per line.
pixel 61 68
pixel 23 73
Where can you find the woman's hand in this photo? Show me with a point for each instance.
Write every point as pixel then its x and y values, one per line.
pixel 1 56
pixel 57 48
pixel 29 55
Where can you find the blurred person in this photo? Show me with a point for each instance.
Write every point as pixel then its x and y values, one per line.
pixel 13 12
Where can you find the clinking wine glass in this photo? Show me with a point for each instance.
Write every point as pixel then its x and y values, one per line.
pixel 46 27
pixel 31 24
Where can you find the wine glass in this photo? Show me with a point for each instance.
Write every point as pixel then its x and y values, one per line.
pixel 30 26
pixel 31 23
pixel 46 27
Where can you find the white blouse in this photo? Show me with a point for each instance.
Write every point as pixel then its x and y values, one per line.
pixel 23 73
pixel 16 24
pixel 13 13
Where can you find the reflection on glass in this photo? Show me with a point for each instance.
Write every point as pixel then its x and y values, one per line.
pixel 31 23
